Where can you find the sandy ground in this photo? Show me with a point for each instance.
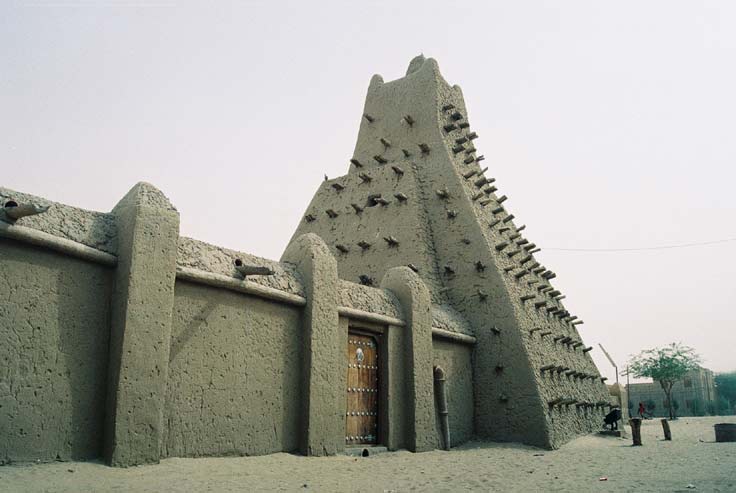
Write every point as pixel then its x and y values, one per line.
pixel 691 462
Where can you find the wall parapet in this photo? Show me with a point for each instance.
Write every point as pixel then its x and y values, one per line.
pixel 239 285
pixel 62 245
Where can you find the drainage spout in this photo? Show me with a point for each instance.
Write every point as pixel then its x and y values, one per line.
pixel 15 211
pixel 251 270
pixel 441 397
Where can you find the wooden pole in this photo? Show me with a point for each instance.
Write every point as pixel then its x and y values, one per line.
pixel 666 428
pixel 636 430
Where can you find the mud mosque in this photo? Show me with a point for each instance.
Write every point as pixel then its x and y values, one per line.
pixel 407 312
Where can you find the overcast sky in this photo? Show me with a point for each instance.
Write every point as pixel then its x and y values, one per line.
pixel 608 125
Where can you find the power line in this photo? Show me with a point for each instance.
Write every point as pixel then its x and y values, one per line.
pixel 642 249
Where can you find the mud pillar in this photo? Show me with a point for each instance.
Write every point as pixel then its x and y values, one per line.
pixel 141 306
pixel 323 426
pixel 416 303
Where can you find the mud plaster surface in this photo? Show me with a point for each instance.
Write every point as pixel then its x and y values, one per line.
pixel 466 247
pixel 234 375
pixel 94 229
pixel 54 327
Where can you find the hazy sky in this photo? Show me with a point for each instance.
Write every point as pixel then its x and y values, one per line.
pixel 608 125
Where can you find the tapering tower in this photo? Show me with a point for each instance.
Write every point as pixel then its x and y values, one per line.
pixel 416 195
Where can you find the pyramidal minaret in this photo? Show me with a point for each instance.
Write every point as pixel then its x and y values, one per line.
pixel 417 194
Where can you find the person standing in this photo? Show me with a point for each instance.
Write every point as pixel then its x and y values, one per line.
pixel 641 410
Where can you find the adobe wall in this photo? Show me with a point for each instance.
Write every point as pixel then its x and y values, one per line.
pixel 456 360
pixel 54 328
pixel 234 376
pixel 116 324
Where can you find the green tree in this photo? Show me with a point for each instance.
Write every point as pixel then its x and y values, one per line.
pixel 666 365
pixel 710 408
pixel 651 406
pixel 726 388
pixel 724 406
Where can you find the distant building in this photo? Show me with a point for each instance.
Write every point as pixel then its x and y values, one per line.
pixel 691 395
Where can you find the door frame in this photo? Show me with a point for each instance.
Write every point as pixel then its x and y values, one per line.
pixel 378 332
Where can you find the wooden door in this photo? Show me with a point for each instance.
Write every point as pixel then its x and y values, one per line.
pixel 361 420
